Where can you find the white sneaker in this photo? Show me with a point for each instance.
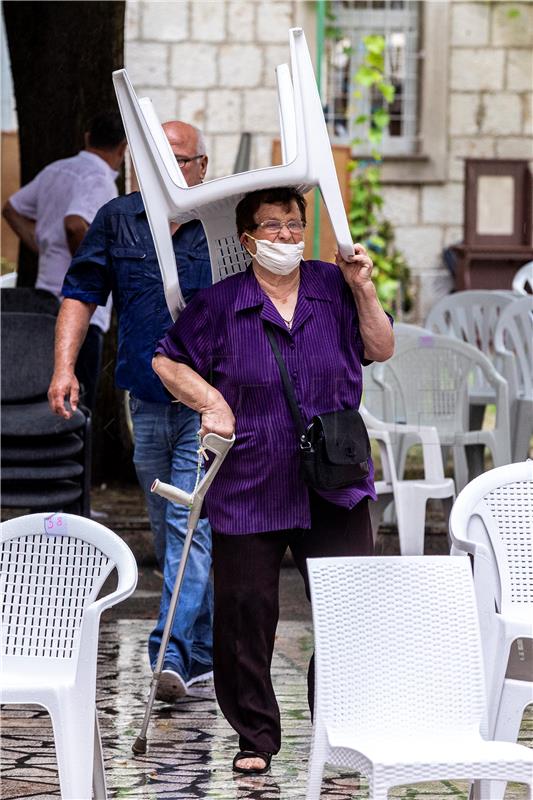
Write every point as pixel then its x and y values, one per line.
pixel 203 677
pixel 170 687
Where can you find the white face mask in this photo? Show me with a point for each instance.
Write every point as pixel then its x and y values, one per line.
pixel 278 257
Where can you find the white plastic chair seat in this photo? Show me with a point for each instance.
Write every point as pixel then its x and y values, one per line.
pixel 308 161
pixel 523 279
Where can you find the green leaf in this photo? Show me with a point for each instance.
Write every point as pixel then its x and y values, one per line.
pixel 366 76
pixel 375 60
pixel 388 91
pixel 380 118
pixel 513 13
pixel 361 119
pixel 374 43
pixel 375 136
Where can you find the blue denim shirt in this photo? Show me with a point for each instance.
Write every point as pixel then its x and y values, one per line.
pixel 117 255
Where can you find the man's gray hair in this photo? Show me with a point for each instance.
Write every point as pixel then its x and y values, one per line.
pixel 200 142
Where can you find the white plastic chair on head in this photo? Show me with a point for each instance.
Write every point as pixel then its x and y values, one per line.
pixel 471 316
pixel 492 519
pixel 426 382
pixel 523 279
pixel 513 343
pixel 410 496
pixel 307 156
pixel 53 567
pixel 399 689
pixel 8 281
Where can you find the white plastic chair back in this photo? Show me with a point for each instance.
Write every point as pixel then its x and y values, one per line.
pixel 471 316
pixel 53 568
pixel 523 279
pixel 382 662
pixel 399 689
pixel 513 342
pixel 305 146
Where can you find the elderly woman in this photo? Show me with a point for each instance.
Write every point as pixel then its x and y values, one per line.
pixel 218 360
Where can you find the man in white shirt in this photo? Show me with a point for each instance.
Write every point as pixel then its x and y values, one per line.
pixel 52 213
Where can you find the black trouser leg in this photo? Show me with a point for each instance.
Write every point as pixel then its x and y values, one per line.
pixel 335 531
pixel 89 365
pixel 246 582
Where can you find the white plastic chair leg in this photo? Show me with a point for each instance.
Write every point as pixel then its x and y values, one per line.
pixel 99 782
pixel 521 425
pixel 460 467
pixel 411 516
pixel 74 741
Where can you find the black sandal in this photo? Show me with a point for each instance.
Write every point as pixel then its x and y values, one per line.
pixel 252 754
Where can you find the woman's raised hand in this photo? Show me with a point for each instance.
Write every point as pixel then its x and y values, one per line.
pixel 358 270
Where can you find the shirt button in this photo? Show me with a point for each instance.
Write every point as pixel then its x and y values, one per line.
pixel 294 374
pixel 292 345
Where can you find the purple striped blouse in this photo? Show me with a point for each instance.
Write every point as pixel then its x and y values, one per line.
pixel 220 334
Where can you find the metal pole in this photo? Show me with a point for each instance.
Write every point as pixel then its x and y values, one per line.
pixel 320 28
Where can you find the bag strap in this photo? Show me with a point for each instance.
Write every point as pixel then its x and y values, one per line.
pixel 288 387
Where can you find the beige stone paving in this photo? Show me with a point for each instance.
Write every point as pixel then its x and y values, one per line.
pixel 190 744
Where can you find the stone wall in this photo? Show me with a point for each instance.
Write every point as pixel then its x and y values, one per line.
pixel 212 63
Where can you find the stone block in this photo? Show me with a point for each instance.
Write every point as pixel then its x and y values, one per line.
pixel 240 65
pixel 192 107
pixel 519 72
pixel 208 21
pixel 463 114
pixel 165 21
pixel 193 65
pixel 241 19
pixel 421 245
pixel 274 55
pixel 470 24
pixel 527 114
pixel 509 29
pixel 224 114
pixel 474 70
pixel 224 154
pixel 261 111
pixel 502 114
pixel 467 147
pixel 443 204
pixel 163 100
pixel 273 20
pixel 132 21
pixel 146 63
pixel 515 147
pixel 452 235
pixel 401 204
pixel 261 155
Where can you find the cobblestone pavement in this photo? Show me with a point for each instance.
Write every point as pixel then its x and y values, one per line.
pixel 190 744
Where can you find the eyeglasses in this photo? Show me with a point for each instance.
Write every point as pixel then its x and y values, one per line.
pixel 274 226
pixel 182 160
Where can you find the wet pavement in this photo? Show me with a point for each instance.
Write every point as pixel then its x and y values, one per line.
pixel 190 745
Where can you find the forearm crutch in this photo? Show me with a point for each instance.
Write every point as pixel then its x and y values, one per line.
pixel 219 447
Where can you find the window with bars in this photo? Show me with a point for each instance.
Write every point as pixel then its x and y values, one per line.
pixel 399 23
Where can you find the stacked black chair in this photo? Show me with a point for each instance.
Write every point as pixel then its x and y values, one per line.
pixel 45 459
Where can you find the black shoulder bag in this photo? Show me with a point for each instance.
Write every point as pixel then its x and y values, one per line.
pixel 334 447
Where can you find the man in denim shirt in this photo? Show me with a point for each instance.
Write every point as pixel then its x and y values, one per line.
pixel 118 256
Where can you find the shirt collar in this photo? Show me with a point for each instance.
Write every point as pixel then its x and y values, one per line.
pixel 98 161
pixel 251 295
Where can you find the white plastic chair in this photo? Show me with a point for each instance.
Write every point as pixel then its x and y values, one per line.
pixel 471 316
pixel 513 343
pixel 307 157
pixel 399 690
pixel 492 520
pixel 410 496
pixel 426 382
pixel 53 567
pixel 523 279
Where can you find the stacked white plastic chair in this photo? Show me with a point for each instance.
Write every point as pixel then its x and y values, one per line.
pixel 523 280
pixel 513 343
pixel 410 496
pixel 53 567
pixel 399 693
pixel 426 383
pixel 307 161
pixel 492 520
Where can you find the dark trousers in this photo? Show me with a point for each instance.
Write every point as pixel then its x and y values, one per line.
pixel 246 581
pixel 89 365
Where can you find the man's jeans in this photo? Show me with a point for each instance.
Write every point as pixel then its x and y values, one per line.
pixel 166 448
